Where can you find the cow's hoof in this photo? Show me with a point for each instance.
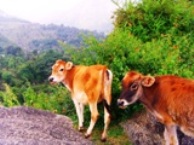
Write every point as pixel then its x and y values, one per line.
pixel 103 139
pixel 81 129
pixel 87 135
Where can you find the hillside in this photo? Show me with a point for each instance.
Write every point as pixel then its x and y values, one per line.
pixel 32 36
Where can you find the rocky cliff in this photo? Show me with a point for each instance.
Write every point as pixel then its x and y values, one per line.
pixel 28 126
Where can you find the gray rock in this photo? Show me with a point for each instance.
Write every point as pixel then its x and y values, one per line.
pixel 143 129
pixel 28 126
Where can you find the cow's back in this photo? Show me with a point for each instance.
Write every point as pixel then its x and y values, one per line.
pixel 89 79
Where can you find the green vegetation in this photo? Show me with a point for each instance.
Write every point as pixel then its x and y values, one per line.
pixel 154 37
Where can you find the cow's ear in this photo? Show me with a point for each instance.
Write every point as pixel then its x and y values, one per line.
pixel 148 81
pixel 68 65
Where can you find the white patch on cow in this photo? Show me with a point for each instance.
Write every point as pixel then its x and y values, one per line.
pixel 110 76
pixel 170 135
pixel 79 111
pixel 187 130
pixel 157 115
pixel 57 79
pixel 126 103
pixel 81 97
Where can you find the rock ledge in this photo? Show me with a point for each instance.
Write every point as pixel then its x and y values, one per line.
pixel 143 129
pixel 28 126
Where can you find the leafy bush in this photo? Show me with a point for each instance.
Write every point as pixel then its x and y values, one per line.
pixel 7 97
pixel 53 98
pixel 150 19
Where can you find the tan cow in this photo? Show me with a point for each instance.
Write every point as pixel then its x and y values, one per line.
pixel 88 85
pixel 169 98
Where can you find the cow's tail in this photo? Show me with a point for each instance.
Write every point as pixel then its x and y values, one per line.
pixel 107 84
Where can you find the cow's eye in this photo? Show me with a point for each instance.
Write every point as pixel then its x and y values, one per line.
pixel 134 86
pixel 61 69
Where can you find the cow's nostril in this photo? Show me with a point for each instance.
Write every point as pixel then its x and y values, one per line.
pixel 120 103
pixel 50 79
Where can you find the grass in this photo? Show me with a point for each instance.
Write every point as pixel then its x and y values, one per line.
pixel 116 136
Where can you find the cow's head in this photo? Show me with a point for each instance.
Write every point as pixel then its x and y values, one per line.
pixel 132 88
pixel 59 71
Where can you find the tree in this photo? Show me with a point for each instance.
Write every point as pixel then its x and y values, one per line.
pixel 38 69
pixel 14 50
pixel 151 19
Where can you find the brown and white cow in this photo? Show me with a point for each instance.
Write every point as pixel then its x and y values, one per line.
pixel 169 98
pixel 88 85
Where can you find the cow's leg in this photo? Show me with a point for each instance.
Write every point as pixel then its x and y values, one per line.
pixel 94 117
pixel 79 114
pixel 187 131
pixel 170 135
pixel 82 116
pixel 106 124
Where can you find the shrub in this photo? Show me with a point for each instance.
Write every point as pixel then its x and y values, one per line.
pixel 149 19
pixel 8 98
pixel 121 51
pixel 53 98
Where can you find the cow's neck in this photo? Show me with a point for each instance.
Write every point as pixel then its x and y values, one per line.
pixel 152 101
pixel 68 81
pixel 148 98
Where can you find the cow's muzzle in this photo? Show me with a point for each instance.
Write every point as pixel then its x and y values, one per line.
pixel 121 103
pixel 50 79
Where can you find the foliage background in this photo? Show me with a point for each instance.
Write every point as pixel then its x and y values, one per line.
pixel 153 37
